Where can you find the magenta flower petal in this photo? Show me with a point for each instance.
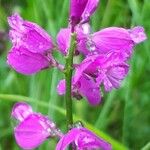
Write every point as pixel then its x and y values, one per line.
pixel 87 139
pixel 89 10
pixel 112 39
pixel 112 73
pixel 107 69
pixel 76 9
pixel 81 10
pixel 112 79
pixel 90 90
pixel 21 111
pixel 29 35
pixel 84 139
pixel 61 87
pixel 80 69
pixel 63 40
pixel 67 139
pixel 137 34
pixel 26 62
pixel 83 86
pixel 31 132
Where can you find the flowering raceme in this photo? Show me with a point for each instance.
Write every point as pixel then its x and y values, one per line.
pixel 32 47
pixel 106 54
pixel 105 63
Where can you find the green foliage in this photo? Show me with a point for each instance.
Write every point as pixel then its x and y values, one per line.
pixel 123 114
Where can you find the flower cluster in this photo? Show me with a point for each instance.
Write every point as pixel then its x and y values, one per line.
pixel 105 52
pixel 34 128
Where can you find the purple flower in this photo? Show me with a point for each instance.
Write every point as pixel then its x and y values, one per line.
pixel 63 40
pixel 105 64
pixel 83 139
pixel 32 46
pixel 84 87
pixel 81 10
pixel 108 70
pixel 96 70
pixel 33 128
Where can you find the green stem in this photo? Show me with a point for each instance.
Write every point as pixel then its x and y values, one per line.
pixel 68 78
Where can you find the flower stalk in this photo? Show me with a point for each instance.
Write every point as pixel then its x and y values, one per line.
pixel 68 77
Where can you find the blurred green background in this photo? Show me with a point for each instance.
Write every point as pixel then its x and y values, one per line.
pixel 123 118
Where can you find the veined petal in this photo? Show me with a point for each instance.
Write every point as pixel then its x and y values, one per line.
pixel 90 90
pixel 36 38
pixel 26 62
pixel 63 40
pixel 112 76
pixel 112 39
pixel 89 10
pixel 115 75
pixel 29 35
pixel 31 132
